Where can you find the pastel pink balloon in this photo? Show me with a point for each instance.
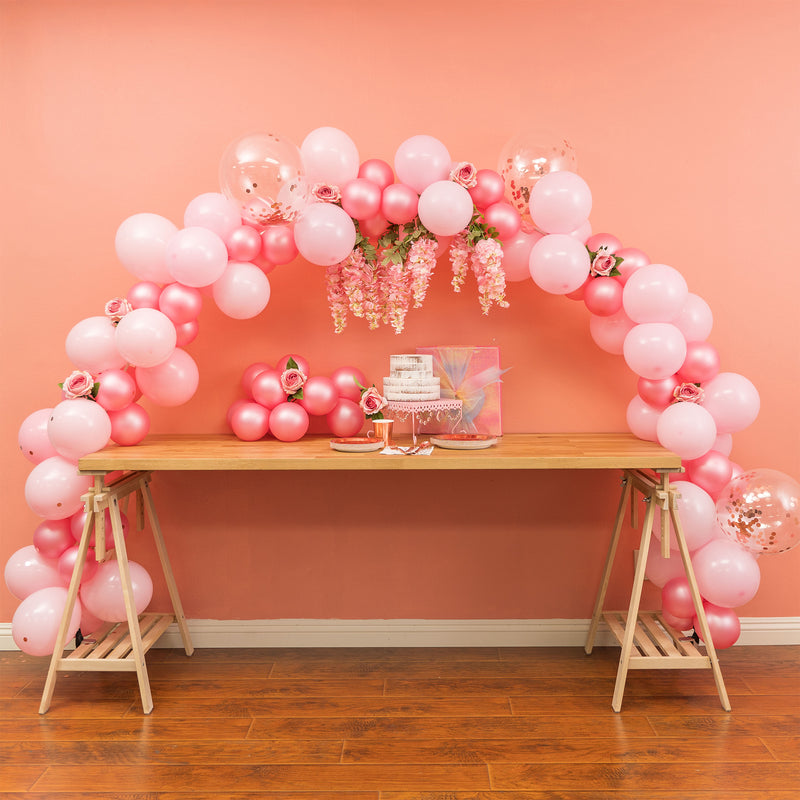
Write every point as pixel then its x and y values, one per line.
pixel 92 345
pixel 145 337
pixel 701 363
pixel 346 419
pixel 266 388
pixel 399 203
pixel 558 263
pixel 517 256
pixel 144 294
pixel 27 570
pixel 53 488
pixel 329 156
pixel 78 520
pixel 603 296
pixel 687 429
pixel 676 598
pixel 180 303
pixel 697 513
pixel 723 625
pixel 34 443
pixel 504 218
pixel 78 427
pixel 727 574
pixel 288 422
pixel 249 421
pixel 301 361
pixel 320 395
pixel 732 400
pixel 489 189
pixel 103 595
pixel 324 234
pixel 658 569
pixel 66 565
pixel 196 256
pixel 582 233
pixel 609 333
pixel 445 208
pixel 642 419
pixel 37 620
pixel 141 246
pixel 278 245
pixel 348 382
pixel 420 161
pixel 378 171
pixel 607 240
pixel 117 389
pixel 695 319
pixel 655 293
pixel 243 291
pixel 213 211
pixel 712 471
pixel 186 333
pixel 654 349
pixel 129 425
pixel 361 198
pixel 633 259
pixel 723 443
pixel 375 227
pixel 243 243
pixel 172 382
pixel 52 537
pixel 250 372
pixel 560 202
pixel 657 393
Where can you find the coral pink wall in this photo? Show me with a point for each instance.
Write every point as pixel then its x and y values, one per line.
pixel 685 121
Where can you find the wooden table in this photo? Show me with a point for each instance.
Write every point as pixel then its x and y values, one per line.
pixel 647 642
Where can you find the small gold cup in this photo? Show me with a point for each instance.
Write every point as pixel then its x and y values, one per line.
pixel 382 430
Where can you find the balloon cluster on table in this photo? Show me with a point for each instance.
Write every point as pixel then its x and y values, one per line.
pixel 378 231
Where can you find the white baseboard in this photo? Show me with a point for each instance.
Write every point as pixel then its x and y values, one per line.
pixel 422 633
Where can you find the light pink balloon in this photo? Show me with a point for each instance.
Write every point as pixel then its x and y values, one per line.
pixel 66 565
pixel 633 259
pixel 186 333
pixel 723 443
pixel 609 333
pixel 145 337
pixel 172 382
pixel 712 470
pixel 53 488
pixel 266 388
pixel 701 363
pixel 504 218
pixel 196 256
pixel 489 189
pixel 676 598
pixel 37 620
pixel 603 296
pixel 324 234
pixel 103 595
pixel 642 419
pixel 732 400
pixel 361 198
pixel 329 156
pixel 117 389
pixel 654 349
pixel 243 291
pixel 92 345
pixel 346 419
pixel 52 537
pixel 399 203
pixel 657 393
pixel 420 161
pixel 695 319
pixel 243 243
pixel 288 422
pixel 727 574
pixel 78 427
pixel 213 211
pixel 517 256
pixel 560 202
pixel 249 421
pixel 144 294
pixel 655 293
pixel 278 245
pixel 698 516
pixel 27 570
pixel 607 240
pixel 320 395
pixel 723 625
pixel 378 171
pixel 250 372
pixel 348 381
pixel 445 208
pixel 129 425
pixel 687 429
pixel 32 437
pixel 658 569
pixel 558 263
pixel 141 245
pixel 582 233
pixel 180 303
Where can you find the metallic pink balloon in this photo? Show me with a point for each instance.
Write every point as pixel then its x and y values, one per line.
pixel 374 226
pixel 377 171
pixel 346 419
pixel 399 203
pixel 250 373
pixel 144 294
pixel 267 390
pixel 52 537
pixel 723 625
pixel 701 363
pixel 361 198
pixel 129 425
pixel 117 389
pixel 657 393
pixel 711 471
pixel 232 408
pixel 249 421
pixel 347 380
pixel 32 437
pixel 320 395
pixel 288 422
pixel 489 189
pixel 607 240
pixel 632 259
pixel 78 520
pixel 180 303
pixel 603 296
pixel 676 598
pixel 504 218
pixel 186 333
pixel 302 363
pixel 243 243
pixel 278 245
pixel 66 565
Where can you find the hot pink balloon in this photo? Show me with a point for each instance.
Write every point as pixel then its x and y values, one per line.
pixel 180 303
pixel 324 234
pixel 213 211
pixel 92 345
pixel 196 257
pixel 676 598
pixel 141 246
pixel 695 319
pixel 420 161
pixel 37 620
pixel 145 337
pixel 678 623
pixel 144 294
pixel 266 388
pixel 560 202
pixel 609 333
pixel 723 625
pixel 727 574
pixel 658 569
pixel 399 203
pixel 52 537
pixel 701 363
pixel 288 422
pixel 66 565
pixel 687 429
pixel 654 349
pixel 657 393
pixel 517 256
pixel 171 383
pixel 489 189
pixel 504 218
pixel 603 296
pixel 445 208
pixel 301 361
pixel 249 421
pixel 642 419
pixel 346 419
pixel 697 513
pixel 329 156
pixel 558 263
pixel 361 198
pixel 250 372
pixel 27 571
pixel 53 488
pixel 377 171
pixel 607 240
pixel 633 259
pixel 103 594
pixel 34 443
pixel 185 334
pixel 732 400
pixel 243 291
pixel 129 425
pixel 78 427
pixel 278 245
pixel 655 293
pixel 348 382
pixel 243 243
pixel 117 389
pixel 712 471
pixel 320 395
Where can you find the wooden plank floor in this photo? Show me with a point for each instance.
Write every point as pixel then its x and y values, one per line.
pixel 404 724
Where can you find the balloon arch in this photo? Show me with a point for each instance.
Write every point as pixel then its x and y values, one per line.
pixel 378 230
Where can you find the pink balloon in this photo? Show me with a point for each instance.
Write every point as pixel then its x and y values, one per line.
pixel 213 211
pixel 180 303
pixel 32 437
pixel 171 383
pixel 78 520
pixel 723 443
pixel 129 425
pixel 558 263
pixel 633 259
pixel 232 409
pixel 103 595
pixel 654 349
pixel 655 293
pixel 399 203
pixel 144 294
pixel 678 623
pixel 186 333
pixel 37 620
pixel 657 393
pixel 376 226
pixel 53 489
pixel 361 198
pixel 52 537
pixel 346 419
pixel 701 363
pixel 676 598
pixel 695 319
pixel 66 565
pixel 324 234
pixel 445 208
pixel 504 218
pixel 560 202
pixel 243 291
pixel 302 363
pixel 642 419
pixel 117 389
pixel 78 427
pixel 320 395
pixel 266 388
pixel 145 337
pixel 489 189
pixel 377 171
pixel 697 513
pixel 607 240
pixel 27 571
pixel 732 400
pixel 196 256
pixel 288 422
pixel 727 574
pixel 89 622
pixel 420 161
pixel 141 246
pixel 687 429
pixel 92 345
pixel 249 421
pixel 329 156
pixel 658 569
pixel 278 245
pixel 582 233
pixel 348 381
pixel 603 296
pixel 712 471
pixel 517 256
pixel 250 373
pixel 609 333
pixel 243 243
pixel 723 625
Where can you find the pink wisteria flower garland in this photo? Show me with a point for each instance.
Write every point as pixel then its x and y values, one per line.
pixel 478 248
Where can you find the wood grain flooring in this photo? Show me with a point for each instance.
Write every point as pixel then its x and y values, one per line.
pixel 403 724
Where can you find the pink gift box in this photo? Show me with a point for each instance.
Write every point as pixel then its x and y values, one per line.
pixel 472 375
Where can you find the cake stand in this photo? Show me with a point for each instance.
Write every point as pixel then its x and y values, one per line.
pixel 425 411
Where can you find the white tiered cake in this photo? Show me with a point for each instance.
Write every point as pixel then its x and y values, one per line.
pixel 411 378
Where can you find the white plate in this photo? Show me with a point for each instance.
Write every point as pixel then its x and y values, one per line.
pixel 463 441
pixel 357 444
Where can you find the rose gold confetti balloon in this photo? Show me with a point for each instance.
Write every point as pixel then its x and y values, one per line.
pixel 760 509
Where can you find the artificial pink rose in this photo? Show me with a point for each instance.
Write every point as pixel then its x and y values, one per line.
pixel 326 192
pixel 292 380
pixel 117 308
pixel 372 401
pixel 688 393
pixel 79 384
pixel 464 174
pixel 603 263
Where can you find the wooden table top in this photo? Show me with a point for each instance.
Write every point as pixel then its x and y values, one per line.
pixel 512 451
